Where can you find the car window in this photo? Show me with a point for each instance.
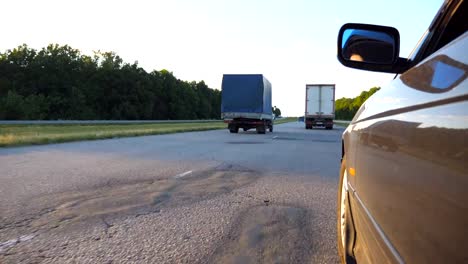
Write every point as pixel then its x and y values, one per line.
pixel 457 25
pixel 439 35
pixel 417 49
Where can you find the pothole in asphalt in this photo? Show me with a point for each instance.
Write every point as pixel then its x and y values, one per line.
pixel 207 184
pixel 267 234
pixel 232 167
pixel 143 197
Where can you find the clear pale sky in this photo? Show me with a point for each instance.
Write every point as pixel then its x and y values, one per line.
pixel 291 42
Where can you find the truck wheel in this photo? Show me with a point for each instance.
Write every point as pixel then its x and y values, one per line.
pixel 245 129
pixel 261 130
pixel 234 129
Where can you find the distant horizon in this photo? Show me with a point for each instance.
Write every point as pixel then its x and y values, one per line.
pixel 292 43
pixel 149 71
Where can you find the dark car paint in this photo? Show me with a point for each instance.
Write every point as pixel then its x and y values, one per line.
pixel 408 146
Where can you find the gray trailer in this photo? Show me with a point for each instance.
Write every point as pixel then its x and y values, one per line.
pixel 319 105
pixel 246 102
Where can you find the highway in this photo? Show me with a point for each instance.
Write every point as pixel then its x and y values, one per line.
pixel 199 197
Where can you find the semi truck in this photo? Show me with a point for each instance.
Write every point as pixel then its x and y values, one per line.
pixel 246 102
pixel 319 106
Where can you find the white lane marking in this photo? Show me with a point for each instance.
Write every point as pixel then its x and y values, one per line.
pixel 12 242
pixel 26 237
pixel 8 244
pixel 275 137
pixel 183 174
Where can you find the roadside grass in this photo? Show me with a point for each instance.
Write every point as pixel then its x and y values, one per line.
pixel 20 135
pixel 17 135
pixel 285 120
pixel 342 123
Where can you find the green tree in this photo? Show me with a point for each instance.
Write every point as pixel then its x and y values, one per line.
pixel 35 107
pixel 11 107
pixel 346 108
pixel 58 82
pixel 276 111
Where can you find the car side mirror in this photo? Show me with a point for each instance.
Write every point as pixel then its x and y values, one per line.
pixel 370 47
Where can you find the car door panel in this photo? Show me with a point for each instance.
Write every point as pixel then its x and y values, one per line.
pixel 411 162
pixel 371 245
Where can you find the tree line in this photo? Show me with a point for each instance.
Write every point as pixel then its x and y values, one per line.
pixel 58 82
pixel 276 111
pixel 346 108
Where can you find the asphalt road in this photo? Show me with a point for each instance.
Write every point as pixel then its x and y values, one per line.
pixel 201 197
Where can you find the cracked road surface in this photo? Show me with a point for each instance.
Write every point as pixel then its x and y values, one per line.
pixel 202 197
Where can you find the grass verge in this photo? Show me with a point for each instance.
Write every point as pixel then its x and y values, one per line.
pixel 342 123
pixel 17 135
pixel 285 120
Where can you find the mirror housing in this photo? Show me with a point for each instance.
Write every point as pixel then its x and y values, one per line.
pixel 370 47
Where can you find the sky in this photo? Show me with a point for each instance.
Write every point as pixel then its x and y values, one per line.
pixel 291 42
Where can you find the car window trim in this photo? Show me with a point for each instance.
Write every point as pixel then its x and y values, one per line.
pixel 436 29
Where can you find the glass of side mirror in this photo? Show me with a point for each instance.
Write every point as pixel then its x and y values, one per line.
pixel 368 46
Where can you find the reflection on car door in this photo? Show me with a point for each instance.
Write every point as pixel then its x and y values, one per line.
pixel 412 163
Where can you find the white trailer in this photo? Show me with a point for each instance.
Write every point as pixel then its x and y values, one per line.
pixel 319 105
